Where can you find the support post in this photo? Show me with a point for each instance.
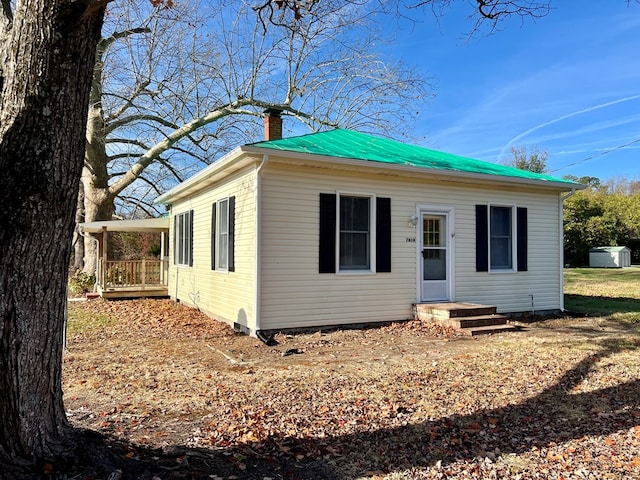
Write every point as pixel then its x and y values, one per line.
pixel 105 266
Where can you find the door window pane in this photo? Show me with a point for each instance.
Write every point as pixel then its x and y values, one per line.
pixel 435 264
pixel 432 232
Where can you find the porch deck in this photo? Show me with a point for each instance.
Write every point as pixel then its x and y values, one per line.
pixel 132 279
pixel 149 291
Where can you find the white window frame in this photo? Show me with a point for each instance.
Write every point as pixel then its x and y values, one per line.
pixel 514 237
pixel 183 239
pixel 219 234
pixel 372 234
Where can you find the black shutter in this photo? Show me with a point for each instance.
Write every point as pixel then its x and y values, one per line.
pixel 383 234
pixel 213 235
pixel 191 238
pixel 482 239
pixel 232 233
pixel 327 250
pixel 522 239
pixel 175 240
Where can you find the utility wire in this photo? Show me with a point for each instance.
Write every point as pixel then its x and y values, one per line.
pixel 606 152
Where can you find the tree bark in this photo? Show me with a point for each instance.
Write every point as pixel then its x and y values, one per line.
pixel 43 115
pixel 78 240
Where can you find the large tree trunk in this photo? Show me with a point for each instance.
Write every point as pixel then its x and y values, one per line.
pixel 98 199
pixel 98 206
pixel 43 114
pixel 78 240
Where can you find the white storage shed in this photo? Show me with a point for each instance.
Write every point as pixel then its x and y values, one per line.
pixel 610 257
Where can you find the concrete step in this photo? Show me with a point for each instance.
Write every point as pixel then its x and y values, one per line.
pixel 469 318
pixel 474 331
pixel 477 321
pixel 429 311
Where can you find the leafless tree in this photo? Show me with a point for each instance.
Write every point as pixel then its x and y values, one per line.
pixel 173 89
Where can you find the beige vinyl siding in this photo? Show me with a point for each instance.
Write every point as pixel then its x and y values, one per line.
pixel 512 291
pixel 226 296
pixel 293 293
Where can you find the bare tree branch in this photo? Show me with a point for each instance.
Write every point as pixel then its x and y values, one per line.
pixel 489 13
pixel 174 137
pixel 124 121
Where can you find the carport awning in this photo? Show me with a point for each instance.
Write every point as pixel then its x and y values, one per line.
pixel 144 225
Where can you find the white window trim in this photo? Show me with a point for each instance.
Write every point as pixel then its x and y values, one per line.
pixel 514 237
pixel 372 233
pixel 219 268
pixel 180 245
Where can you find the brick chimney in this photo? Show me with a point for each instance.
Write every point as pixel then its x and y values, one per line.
pixel 272 124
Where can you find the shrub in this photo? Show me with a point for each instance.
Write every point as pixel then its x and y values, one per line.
pixel 81 283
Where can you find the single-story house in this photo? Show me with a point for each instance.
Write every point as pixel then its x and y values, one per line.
pixel 610 257
pixel 340 227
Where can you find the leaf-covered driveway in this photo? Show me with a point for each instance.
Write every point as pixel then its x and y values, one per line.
pixel 560 399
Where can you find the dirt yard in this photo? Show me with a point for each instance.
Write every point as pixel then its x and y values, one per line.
pixel 559 399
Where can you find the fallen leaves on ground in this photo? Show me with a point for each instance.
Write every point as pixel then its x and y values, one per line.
pixel 402 401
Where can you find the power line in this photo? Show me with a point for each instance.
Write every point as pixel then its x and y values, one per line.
pixel 606 152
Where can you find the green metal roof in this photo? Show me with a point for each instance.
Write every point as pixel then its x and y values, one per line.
pixel 349 144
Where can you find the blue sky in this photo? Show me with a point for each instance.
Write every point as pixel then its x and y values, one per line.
pixel 568 83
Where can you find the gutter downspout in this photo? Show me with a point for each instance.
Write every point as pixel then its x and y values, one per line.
pixel 258 200
pixel 561 249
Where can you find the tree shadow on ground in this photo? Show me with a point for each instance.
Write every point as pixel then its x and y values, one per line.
pixel 555 415
pixel 559 413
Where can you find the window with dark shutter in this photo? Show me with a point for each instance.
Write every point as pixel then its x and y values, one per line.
pixel 346 224
pixel 501 238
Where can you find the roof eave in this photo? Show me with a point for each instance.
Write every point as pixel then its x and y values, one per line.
pixel 194 183
pixel 482 178
pixel 160 224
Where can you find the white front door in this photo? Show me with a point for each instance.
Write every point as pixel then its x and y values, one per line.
pixel 434 257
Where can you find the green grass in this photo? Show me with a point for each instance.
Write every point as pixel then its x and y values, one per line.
pixel 611 292
pixel 81 322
